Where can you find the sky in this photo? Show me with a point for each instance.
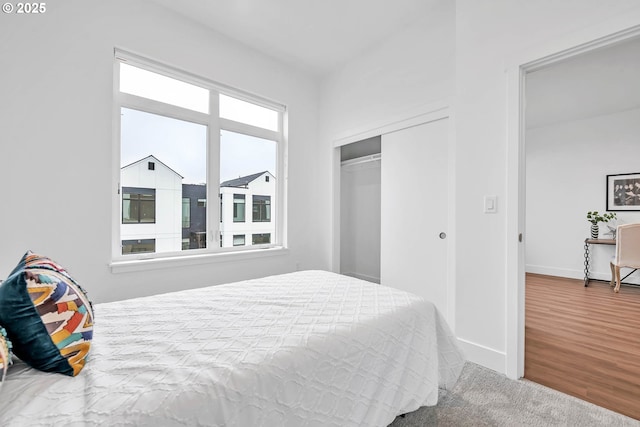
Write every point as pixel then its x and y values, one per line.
pixel 182 146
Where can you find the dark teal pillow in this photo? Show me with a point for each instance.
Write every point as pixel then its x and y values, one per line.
pixel 47 316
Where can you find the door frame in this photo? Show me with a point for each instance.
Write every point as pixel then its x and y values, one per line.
pixel 604 34
pixel 427 113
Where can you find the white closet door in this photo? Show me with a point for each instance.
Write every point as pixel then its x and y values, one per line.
pixel 414 213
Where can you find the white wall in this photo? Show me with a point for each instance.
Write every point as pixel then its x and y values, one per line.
pixel 488 37
pixel 400 77
pixel 56 139
pixel 566 170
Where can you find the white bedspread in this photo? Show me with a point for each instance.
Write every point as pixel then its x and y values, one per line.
pixel 303 349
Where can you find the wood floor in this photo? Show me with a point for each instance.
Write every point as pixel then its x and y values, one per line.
pixel 584 341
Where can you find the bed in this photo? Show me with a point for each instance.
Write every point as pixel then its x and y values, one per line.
pixel 309 348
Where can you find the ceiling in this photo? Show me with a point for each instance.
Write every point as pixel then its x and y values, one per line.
pixel 320 36
pixel 604 81
pixel 317 36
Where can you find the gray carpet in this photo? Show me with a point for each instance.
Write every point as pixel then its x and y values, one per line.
pixel 483 397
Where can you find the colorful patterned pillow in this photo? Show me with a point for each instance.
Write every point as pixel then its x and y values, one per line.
pixel 5 354
pixel 47 315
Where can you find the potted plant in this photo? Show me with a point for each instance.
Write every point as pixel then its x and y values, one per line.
pixel 594 218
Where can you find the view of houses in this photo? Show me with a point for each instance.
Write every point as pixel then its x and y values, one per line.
pixel 161 214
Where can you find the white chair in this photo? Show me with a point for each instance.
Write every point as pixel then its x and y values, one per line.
pixel 627 252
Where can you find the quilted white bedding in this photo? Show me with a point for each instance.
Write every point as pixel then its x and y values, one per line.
pixel 310 348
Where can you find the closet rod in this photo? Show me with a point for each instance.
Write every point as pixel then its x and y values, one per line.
pixel 365 159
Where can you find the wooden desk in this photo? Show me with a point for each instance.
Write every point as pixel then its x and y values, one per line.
pixel 588 242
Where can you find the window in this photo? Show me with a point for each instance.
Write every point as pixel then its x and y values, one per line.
pixel 186 213
pixel 249 113
pixel 238 209
pixel 138 205
pixel 150 85
pixel 261 209
pixel 138 246
pixel 172 143
pixel 260 239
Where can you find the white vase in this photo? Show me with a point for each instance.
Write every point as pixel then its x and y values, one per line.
pixel 595 231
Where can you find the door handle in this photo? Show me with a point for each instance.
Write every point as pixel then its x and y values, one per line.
pixel 442 235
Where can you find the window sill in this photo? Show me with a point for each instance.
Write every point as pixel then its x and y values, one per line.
pixel 187 260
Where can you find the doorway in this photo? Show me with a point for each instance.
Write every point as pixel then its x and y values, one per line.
pixel 579 112
pixel 527 62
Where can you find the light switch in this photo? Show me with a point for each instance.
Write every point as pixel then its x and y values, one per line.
pixel 490 204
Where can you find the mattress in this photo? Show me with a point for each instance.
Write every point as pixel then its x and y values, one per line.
pixel 310 348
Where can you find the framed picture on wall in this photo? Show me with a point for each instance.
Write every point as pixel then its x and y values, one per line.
pixel 623 192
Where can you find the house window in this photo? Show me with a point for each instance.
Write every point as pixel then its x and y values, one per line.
pixel 138 246
pixel 138 205
pixel 260 239
pixel 261 209
pixel 169 136
pixel 238 209
pixel 238 240
pixel 186 213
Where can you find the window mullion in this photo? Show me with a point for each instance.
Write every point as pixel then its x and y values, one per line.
pixel 156 107
pixel 246 129
pixel 213 173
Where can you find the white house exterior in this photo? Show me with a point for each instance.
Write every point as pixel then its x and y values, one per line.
pixel 152 176
pixel 247 209
pixel 257 225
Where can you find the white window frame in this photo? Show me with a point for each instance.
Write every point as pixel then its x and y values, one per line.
pixel 214 124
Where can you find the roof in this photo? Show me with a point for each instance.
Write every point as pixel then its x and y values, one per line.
pixel 149 157
pixel 243 181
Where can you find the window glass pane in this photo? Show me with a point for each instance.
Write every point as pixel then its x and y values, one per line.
pixel 238 240
pixel 138 246
pixel 238 208
pixel 260 239
pixel 155 209
pixel 246 112
pixel 261 209
pixel 129 212
pixel 147 84
pixel 186 213
pixel 245 161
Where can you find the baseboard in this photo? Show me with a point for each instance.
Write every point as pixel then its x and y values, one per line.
pixel 575 274
pixel 553 271
pixel 484 356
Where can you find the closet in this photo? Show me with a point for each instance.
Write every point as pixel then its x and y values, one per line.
pixel 394 210
pixel 360 194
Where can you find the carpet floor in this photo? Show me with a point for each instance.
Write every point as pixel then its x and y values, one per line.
pixel 483 397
